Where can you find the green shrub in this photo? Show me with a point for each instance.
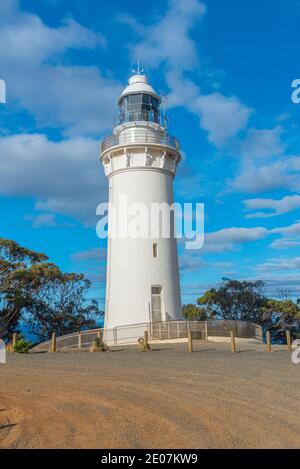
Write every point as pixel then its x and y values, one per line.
pixel 99 345
pixel 22 345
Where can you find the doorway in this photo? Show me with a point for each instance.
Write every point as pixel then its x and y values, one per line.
pixel 156 303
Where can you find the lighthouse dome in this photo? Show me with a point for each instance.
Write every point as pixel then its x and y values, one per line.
pixel 138 84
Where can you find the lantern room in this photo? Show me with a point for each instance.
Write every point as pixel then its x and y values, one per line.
pixel 139 102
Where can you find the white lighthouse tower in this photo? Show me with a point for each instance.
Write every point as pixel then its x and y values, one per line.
pixel 140 161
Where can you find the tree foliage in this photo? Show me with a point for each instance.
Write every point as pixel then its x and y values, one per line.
pixel 22 345
pixel 37 292
pixel 246 301
pixel 16 264
pixel 192 312
pixel 60 306
pixel 280 316
pixel 240 301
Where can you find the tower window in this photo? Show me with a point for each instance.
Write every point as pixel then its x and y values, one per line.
pixel 155 250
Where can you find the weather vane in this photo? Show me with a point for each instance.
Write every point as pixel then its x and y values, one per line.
pixel 139 70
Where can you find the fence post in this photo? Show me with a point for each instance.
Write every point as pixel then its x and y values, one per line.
pixel 79 340
pixel 233 344
pixel 190 342
pixel 146 341
pixel 14 340
pixel 99 334
pixel 206 330
pixel 53 343
pixel 289 341
pixel 268 337
pixel 115 334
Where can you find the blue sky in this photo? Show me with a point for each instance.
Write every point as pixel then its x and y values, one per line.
pixel 227 68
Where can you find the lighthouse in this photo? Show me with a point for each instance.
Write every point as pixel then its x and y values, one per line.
pixel 140 160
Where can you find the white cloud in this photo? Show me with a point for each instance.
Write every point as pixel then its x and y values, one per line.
pixel 183 91
pixel 221 116
pixel 191 263
pixel 168 42
pixel 46 220
pixel 262 143
pixel 230 238
pixel 94 254
pixel 280 265
pixel 276 282
pixel 290 236
pixel 285 243
pixel 76 98
pixel 65 177
pixel 291 230
pixel 275 207
pixel 254 178
pixel 264 165
pixel 294 163
pixel 26 39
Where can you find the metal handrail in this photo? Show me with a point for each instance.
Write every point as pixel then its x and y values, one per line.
pixel 157 331
pixel 139 138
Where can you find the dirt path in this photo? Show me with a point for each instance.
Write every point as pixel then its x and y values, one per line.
pixel 163 399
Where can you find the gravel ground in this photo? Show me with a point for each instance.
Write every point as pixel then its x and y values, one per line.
pixel 167 398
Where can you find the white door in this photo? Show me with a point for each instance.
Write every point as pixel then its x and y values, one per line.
pixel 156 304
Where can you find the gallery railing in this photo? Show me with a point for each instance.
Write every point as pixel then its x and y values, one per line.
pixel 139 137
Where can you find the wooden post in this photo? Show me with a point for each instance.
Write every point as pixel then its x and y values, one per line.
pixel 190 342
pixel 146 341
pixel 233 345
pixel 115 333
pixel 268 337
pixel 79 339
pixel 289 341
pixel 14 340
pixel 53 343
pixel 188 328
pixel 99 334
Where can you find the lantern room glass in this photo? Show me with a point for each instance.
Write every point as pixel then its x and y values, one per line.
pixel 139 107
